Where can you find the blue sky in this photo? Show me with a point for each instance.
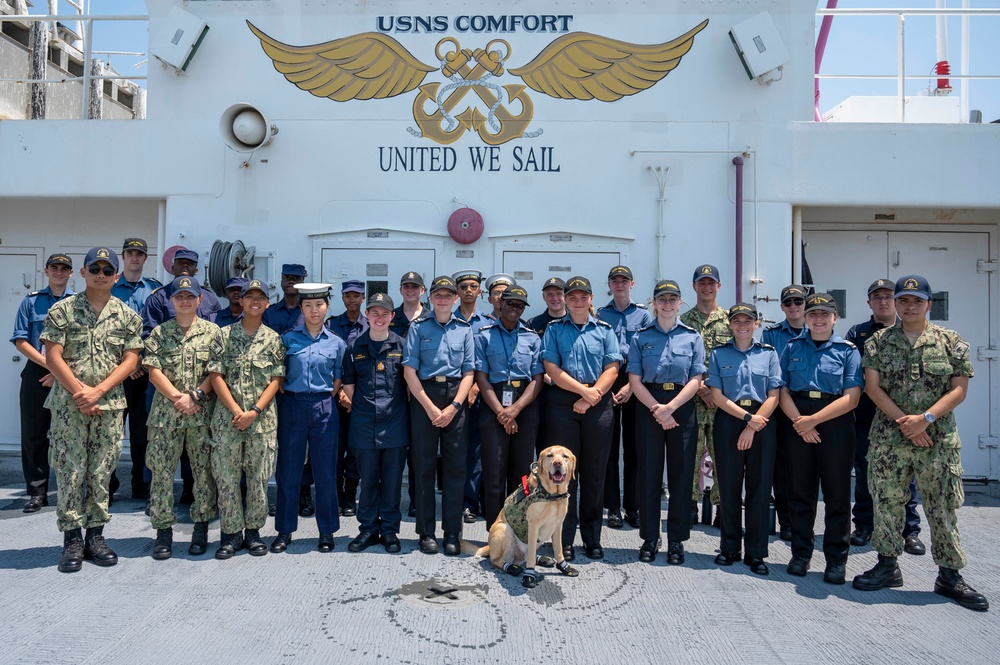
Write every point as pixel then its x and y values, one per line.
pixel 857 45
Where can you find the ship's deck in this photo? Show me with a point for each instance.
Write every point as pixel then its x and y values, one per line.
pixel 303 606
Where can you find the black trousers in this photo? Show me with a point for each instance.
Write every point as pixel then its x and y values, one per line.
pixel 424 444
pixel 542 437
pixel 780 475
pixel 381 472
pixel 828 465
pixel 137 412
pixel 347 465
pixel 733 468
pixel 622 446
pixel 676 446
pixel 864 508
pixel 506 458
pixel 588 436
pixel 35 421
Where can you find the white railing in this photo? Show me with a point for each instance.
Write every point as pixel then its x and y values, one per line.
pixel 966 13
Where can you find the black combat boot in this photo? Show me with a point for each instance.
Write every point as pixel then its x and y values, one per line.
pixel 96 550
pixel 885 574
pixel 199 539
pixel 951 585
pixel 72 555
pixel 164 541
pixel 254 543
pixel 230 545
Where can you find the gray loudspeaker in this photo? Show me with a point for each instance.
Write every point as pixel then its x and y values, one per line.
pixel 245 128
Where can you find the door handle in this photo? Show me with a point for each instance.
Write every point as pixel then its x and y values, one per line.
pixel 895 264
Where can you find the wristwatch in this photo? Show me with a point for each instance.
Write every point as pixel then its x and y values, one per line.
pixel 929 417
pixel 457 405
pixel 199 394
pixel 747 417
pixel 256 408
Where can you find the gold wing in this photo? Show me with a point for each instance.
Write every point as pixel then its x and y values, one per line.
pixel 584 66
pixel 365 66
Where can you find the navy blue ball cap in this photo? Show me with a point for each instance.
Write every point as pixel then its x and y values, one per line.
pixel 666 286
pixel 556 282
pixel 515 293
pixel 185 283
pixel 59 259
pixel 743 308
pixel 101 254
pixel 620 271
pixel 793 291
pixel 381 300
pixel 236 282
pixel 188 254
pixel 579 283
pixel 352 286
pixel 880 284
pixel 822 302
pixel 706 270
pixel 296 269
pixel 444 282
pixel 913 285
pixel 137 244
pixel 257 285
pixel 411 278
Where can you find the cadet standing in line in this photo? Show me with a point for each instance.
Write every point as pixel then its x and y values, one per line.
pixel 822 379
pixel 177 361
pixel 36 380
pixel 745 378
pixel 581 354
pixel 133 289
pixel 92 344
pixel 495 286
pixel 554 295
pixel 793 303
pixel 246 365
pixel 348 326
pixel 233 313
pixel 917 373
pixel 468 310
pixel 438 363
pixel 883 306
pixel 666 365
pixel 380 429
pixel 626 318
pixel 308 419
pixel 411 287
pixel 157 307
pixel 286 313
pixel 711 322
pixel 509 372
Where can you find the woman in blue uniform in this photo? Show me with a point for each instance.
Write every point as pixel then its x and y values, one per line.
pixel 379 436
pixel 666 362
pixel 438 363
pixel 581 355
pixel 307 418
pixel 823 381
pixel 509 374
pixel 745 378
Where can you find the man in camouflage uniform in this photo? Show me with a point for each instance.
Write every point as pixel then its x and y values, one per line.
pixel 91 345
pixel 177 360
pixel 917 373
pixel 712 322
pixel 246 364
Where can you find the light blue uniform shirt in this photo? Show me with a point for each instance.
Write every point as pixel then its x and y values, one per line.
pixel 667 356
pixel 434 349
pixel 507 355
pixel 312 363
pixel 744 374
pixel 780 334
pixel 625 324
pixel 581 353
pixel 478 319
pixel 832 368
pixel 134 295
pixel 30 319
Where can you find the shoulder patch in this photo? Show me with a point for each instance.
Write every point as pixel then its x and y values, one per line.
pixel 601 323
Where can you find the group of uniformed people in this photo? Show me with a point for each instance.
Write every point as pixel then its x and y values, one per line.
pixel 286 389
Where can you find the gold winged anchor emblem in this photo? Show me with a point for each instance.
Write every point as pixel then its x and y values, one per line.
pixel 578 65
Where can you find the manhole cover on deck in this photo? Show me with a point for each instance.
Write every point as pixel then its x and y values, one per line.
pixel 441 593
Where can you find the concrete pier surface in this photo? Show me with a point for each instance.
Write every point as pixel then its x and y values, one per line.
pixel 372 607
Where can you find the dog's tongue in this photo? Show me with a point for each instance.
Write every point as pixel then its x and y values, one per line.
pixel 557 477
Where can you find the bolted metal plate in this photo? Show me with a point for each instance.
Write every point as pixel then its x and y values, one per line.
pixel 441 593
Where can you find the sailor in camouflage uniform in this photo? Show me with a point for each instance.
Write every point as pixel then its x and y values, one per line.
pixel 917 373
pixel 177 361
pixel 92 344
pixel 246 364
pixel 712 323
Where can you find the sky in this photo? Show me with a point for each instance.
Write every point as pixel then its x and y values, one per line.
pixel 857 45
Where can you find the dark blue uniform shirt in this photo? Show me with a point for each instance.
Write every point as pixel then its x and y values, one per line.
pixel 134 295
pixel 667 356
pixel 780 334
pixel 30 318
pixel 744 374
pixel 833 367
pixel 158 309
pixel 858 335
pixel 581 352
pixel 625 323
pixel 542 321
pixel 378 412
pixel 281 318
pixel 312 364
pixel 434 349
pixel 344 329
pixel 509 355
pixel 400 324
pixel 225 317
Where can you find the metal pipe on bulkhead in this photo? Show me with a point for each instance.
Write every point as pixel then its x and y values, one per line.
pixel 660 173
pixel 738 161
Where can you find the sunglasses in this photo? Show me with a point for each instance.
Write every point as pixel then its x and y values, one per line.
pixel 107 270
pixel 793 302
pixel 468 287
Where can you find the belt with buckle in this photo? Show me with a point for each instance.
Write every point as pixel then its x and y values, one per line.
pixel 661 386
pixel 516 383
pixel 439 379
pixel 813 394
pixel 745 403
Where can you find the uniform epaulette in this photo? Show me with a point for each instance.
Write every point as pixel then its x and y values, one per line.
pixel 651 325
pixel 850 344
pixel 155 290
pixel 156 282
pixel 774 326
pixel 681 323
pixel 640 305
pixel 766 345
pixel 420 319
pixel 489 327
pixel 461 320
pixel 34 293
pixel 601 323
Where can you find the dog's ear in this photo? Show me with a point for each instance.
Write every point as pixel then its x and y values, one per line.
pixel 572 459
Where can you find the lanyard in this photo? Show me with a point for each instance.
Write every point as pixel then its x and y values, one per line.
pixel 510 355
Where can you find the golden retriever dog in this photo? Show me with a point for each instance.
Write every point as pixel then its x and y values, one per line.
pixel 531 515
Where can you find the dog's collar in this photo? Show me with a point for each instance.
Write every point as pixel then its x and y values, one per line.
pixel 542 493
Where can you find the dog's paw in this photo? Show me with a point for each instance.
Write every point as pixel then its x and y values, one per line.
pixel 567 570
pixel 530 579
pixel 513 569
pixel 544 561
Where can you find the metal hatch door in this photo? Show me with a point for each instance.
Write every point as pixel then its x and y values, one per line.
pixel 18 273
pixel 379 267
pixel 531 268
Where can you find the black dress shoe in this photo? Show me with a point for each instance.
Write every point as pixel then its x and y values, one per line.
pixel 756 565
pixel 451 545
pixel 726 558
pixel 632 519
pixel 717 522
pixel 96 550
pixel 306 507
pixel 675 553
pixel 647 553
pixel 231 543
pixel 411 511
pixel 615 520
pixel 885 574
pixel 951 585
pixel 325 543
pixel 162 544
pixel 913 545
pixel 835 573
pixel 569 554
pixel 254 543
pixel 595 552
pixel 272 509
pixel 364 540
pixel 71 560
pixel 390 542
pixel 785 534
pixel 281 543
pixel 860 537
pixel 694 512
pixel 798 566
pixel 468 516
pixel 348 510
pixel 36 503
pixel 428 544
